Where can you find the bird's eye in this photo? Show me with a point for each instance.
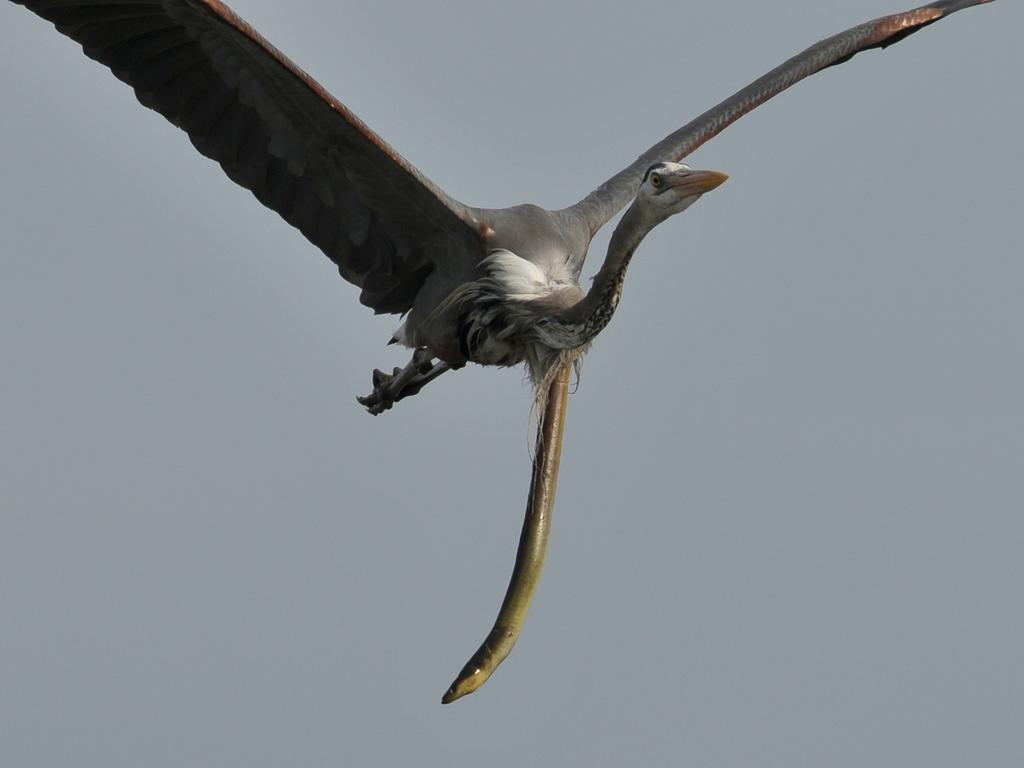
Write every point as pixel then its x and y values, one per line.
pixel 655 180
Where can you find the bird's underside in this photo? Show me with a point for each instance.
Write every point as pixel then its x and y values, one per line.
pixel 491 286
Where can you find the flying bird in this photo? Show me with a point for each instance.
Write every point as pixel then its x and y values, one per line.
pixel 487 286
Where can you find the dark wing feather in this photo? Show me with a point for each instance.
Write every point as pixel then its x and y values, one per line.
pixel 278 133
pixel 612 196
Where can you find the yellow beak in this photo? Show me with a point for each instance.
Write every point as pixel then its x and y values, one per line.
pixel 696 182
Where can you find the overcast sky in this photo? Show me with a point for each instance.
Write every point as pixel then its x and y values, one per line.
pixel 789 529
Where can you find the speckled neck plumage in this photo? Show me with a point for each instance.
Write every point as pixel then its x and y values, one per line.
pixel 579 324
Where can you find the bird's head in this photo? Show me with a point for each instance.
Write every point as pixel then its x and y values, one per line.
pixel 669 188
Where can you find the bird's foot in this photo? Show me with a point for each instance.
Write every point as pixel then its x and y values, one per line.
pixel 384 394
pixel 388 389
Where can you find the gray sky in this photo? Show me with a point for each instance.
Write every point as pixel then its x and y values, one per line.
pixel 789 529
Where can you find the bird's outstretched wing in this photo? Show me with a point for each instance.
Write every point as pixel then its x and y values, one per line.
pixel 612 196
pixel 277 132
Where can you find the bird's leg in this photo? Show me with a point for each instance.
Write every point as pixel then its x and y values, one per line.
pixel 402 382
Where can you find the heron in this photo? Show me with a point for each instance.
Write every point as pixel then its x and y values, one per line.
pixel 496 287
